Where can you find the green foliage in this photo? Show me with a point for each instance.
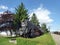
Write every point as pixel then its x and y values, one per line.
pixel 44 27
pixel 34 19
pixel 5 41
pixel 21 13
pixel 26 42
pixel 45 39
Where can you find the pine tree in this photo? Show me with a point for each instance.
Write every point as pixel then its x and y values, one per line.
pixel 34 19
pixel 20 15
pixel 44 28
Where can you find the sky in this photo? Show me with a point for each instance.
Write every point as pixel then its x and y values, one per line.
pixel 47 11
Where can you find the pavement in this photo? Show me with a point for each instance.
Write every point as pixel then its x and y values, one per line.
pixel 56 38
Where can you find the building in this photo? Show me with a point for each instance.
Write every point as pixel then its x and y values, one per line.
pixel 30 30
pixel 27 29
pixel 6 20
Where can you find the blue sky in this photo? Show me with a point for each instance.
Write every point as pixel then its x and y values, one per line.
pixel 48 10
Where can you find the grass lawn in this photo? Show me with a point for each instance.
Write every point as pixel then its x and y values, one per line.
pixel 5 41
pixel 45 39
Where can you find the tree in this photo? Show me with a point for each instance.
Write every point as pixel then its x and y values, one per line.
pixel 20 15
pixel 44 28
pixel 34 20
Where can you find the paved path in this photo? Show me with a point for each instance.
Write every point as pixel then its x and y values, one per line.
pixel 56 38
pixel 13 41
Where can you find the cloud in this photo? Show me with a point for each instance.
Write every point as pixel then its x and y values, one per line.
pixel 1 12
pixel 12 9
pixel 42 14
pixel 3 7
pixel 6 7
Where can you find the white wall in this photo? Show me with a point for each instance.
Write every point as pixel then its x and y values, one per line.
pixel 3 33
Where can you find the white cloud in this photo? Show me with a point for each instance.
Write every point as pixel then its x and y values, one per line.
pixel 12 9
pixel 42 14
pixel 1 12
pixel 3 7
pixel 6 8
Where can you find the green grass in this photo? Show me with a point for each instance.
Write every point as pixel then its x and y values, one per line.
pixel 45 39
pixel 5 41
